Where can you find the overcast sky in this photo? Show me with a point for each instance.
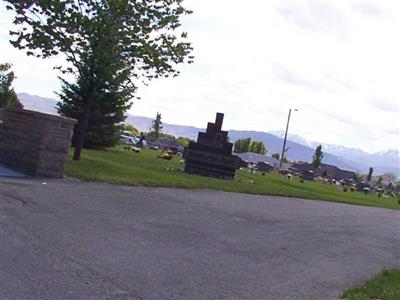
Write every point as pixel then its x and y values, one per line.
pixel 336 61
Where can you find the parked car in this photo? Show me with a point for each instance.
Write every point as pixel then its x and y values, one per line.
pixel 128 138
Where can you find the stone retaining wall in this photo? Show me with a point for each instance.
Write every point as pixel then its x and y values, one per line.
pixel 33 142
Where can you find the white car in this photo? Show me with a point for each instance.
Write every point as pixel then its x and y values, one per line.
pixel 128 138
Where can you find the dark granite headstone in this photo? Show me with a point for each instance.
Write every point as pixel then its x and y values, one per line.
pixel 263 166
pixel 308 175
pixel 212 155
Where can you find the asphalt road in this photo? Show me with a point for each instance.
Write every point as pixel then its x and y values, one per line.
pixel 71 240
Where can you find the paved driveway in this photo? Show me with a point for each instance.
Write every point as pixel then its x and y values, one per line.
pixel 72 240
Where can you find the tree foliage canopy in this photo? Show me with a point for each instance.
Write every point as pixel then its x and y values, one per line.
pixel 184 141
pixel 8 97
pixel 258 147
pixel 156 126
pixel 112 41
pixel 106 114
pixel 247 145
pixel 318 156
pixel 141 33
pixel 132 129
pixel 276 155
pixel 242 145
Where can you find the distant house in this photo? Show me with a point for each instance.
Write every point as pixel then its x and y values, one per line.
pixel 326 171
pixel 256 158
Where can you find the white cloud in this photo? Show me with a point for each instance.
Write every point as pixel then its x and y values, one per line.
pixel 385 105
pixel 256 59
pixel 368 8
pixel 313 15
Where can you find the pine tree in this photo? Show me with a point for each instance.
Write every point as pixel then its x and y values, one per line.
pixel 107 112
pixel 8 97
pixel 156 126
pixel 317 157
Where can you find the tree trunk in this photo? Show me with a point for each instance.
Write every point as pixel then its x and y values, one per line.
pixel 82 126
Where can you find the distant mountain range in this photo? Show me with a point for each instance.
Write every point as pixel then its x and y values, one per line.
pixel 300 149
pixel 381 161
pixel 42 104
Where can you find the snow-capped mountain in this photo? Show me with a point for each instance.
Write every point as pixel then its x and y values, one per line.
pixel 384 161
pixel 293 137
pixel 393 153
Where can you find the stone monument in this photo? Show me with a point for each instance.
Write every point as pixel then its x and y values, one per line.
pixel 212 155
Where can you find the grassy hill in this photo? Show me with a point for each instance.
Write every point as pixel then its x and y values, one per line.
pixel 126 167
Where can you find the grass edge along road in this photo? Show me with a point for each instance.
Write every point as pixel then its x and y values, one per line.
pixel 385 286
pixel 145 169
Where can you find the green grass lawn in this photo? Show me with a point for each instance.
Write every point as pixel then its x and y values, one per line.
pixel 385 286
pixel 144 168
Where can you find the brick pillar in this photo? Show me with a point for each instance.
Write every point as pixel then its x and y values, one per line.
pixel 34 142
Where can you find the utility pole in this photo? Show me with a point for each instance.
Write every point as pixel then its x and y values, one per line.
pixel 284 141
